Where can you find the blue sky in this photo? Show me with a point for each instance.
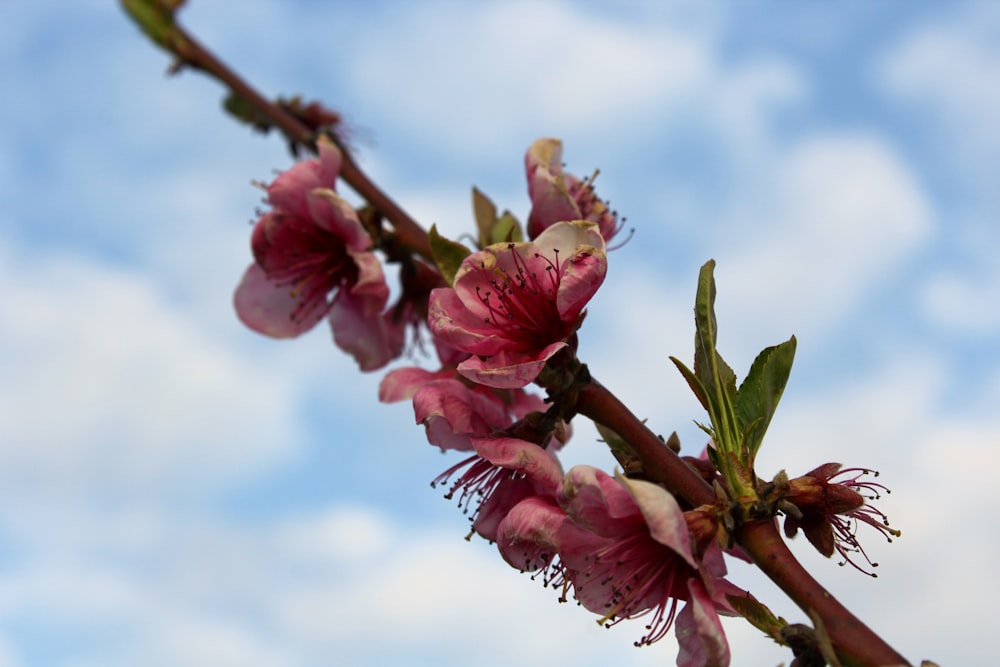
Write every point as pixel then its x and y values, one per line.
pixel 175 490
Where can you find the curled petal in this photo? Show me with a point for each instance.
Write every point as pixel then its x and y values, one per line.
pixel 335 214
pixel 290 189
pixel 452 413
pixel 526 537
pixel 403 383
pixel 663 516
pixel 699 631
pixel 508 370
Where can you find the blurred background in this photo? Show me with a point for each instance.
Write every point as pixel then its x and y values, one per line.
pixel 176 490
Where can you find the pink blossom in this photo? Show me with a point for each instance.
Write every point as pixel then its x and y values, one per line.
pixel 468 417
pixel 312 261
pixel 828 511
pixel 627 552
pixel 504 472
pixel 514 305
pixel 557 195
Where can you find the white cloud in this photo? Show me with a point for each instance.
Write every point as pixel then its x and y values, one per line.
pixel 108 388
pixel 478 79
pixel 951 68
pixel 960 294
pixel 838 213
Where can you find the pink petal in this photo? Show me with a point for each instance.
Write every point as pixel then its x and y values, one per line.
pixel 450 320
pixel 452 412
pixel 267 308
pixel 368 338
pixel 663 516
pixel 402 383
pixel 334 214
pixel 370 288
pixel 541 467
pixel 289 190
pixel 699 631
pixel 508 370
pixel 526 536
pixel 582 275
pixel 598 502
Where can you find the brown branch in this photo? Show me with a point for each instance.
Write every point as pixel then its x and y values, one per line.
pixel 855 644
pixel 408 232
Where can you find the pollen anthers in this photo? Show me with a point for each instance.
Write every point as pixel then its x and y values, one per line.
pixel 829 511
pixel 521 297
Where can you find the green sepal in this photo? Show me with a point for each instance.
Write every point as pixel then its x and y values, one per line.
pixel 242 110
pixel 623 452
pixel 494 228
pixel 485 212
pixel 156 18
pixel 715 375
pixel 760 392
pixel 507 229
pixel 758 615
pixel 448 254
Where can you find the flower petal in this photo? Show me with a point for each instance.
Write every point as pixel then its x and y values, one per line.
pixel 290 189
pixel 508 370
pixel 526 537
pixel 368 338
pixel 270 309
pixel 699 631
pixel 663 516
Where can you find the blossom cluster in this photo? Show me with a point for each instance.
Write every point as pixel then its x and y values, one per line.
pixel 508 317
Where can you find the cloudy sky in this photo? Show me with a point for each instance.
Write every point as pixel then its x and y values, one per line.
pixel 176 490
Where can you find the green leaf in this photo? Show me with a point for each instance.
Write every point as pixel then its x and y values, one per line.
pixel 485 212
pixel 758 615
pixel 506 230
pixel 493 228
pixel 242 110
pixel 696 386
pixel 156 18
pixel 448 254
pixel 715 375
pixel 760 392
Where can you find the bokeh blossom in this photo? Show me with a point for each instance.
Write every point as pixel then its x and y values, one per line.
pixel 557 195
pixel 313 260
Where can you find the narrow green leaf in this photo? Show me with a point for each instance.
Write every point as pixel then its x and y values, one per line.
pixel 715 375
pixel 506 230
pixel 156 18
pixel 242 110
pixel 485 212
pixel 448 254
pixel 760 392
pixel 758 615
pixel 696 386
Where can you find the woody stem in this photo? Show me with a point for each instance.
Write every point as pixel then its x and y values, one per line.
pixel 855 644
pixel 408 231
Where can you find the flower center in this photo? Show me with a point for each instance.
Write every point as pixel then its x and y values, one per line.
pixel 642 577
pixel 310 260
pixel 521 300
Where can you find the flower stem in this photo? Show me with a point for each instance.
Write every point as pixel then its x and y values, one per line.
pixel 855 644
pixel 190 51
pixel 660 463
